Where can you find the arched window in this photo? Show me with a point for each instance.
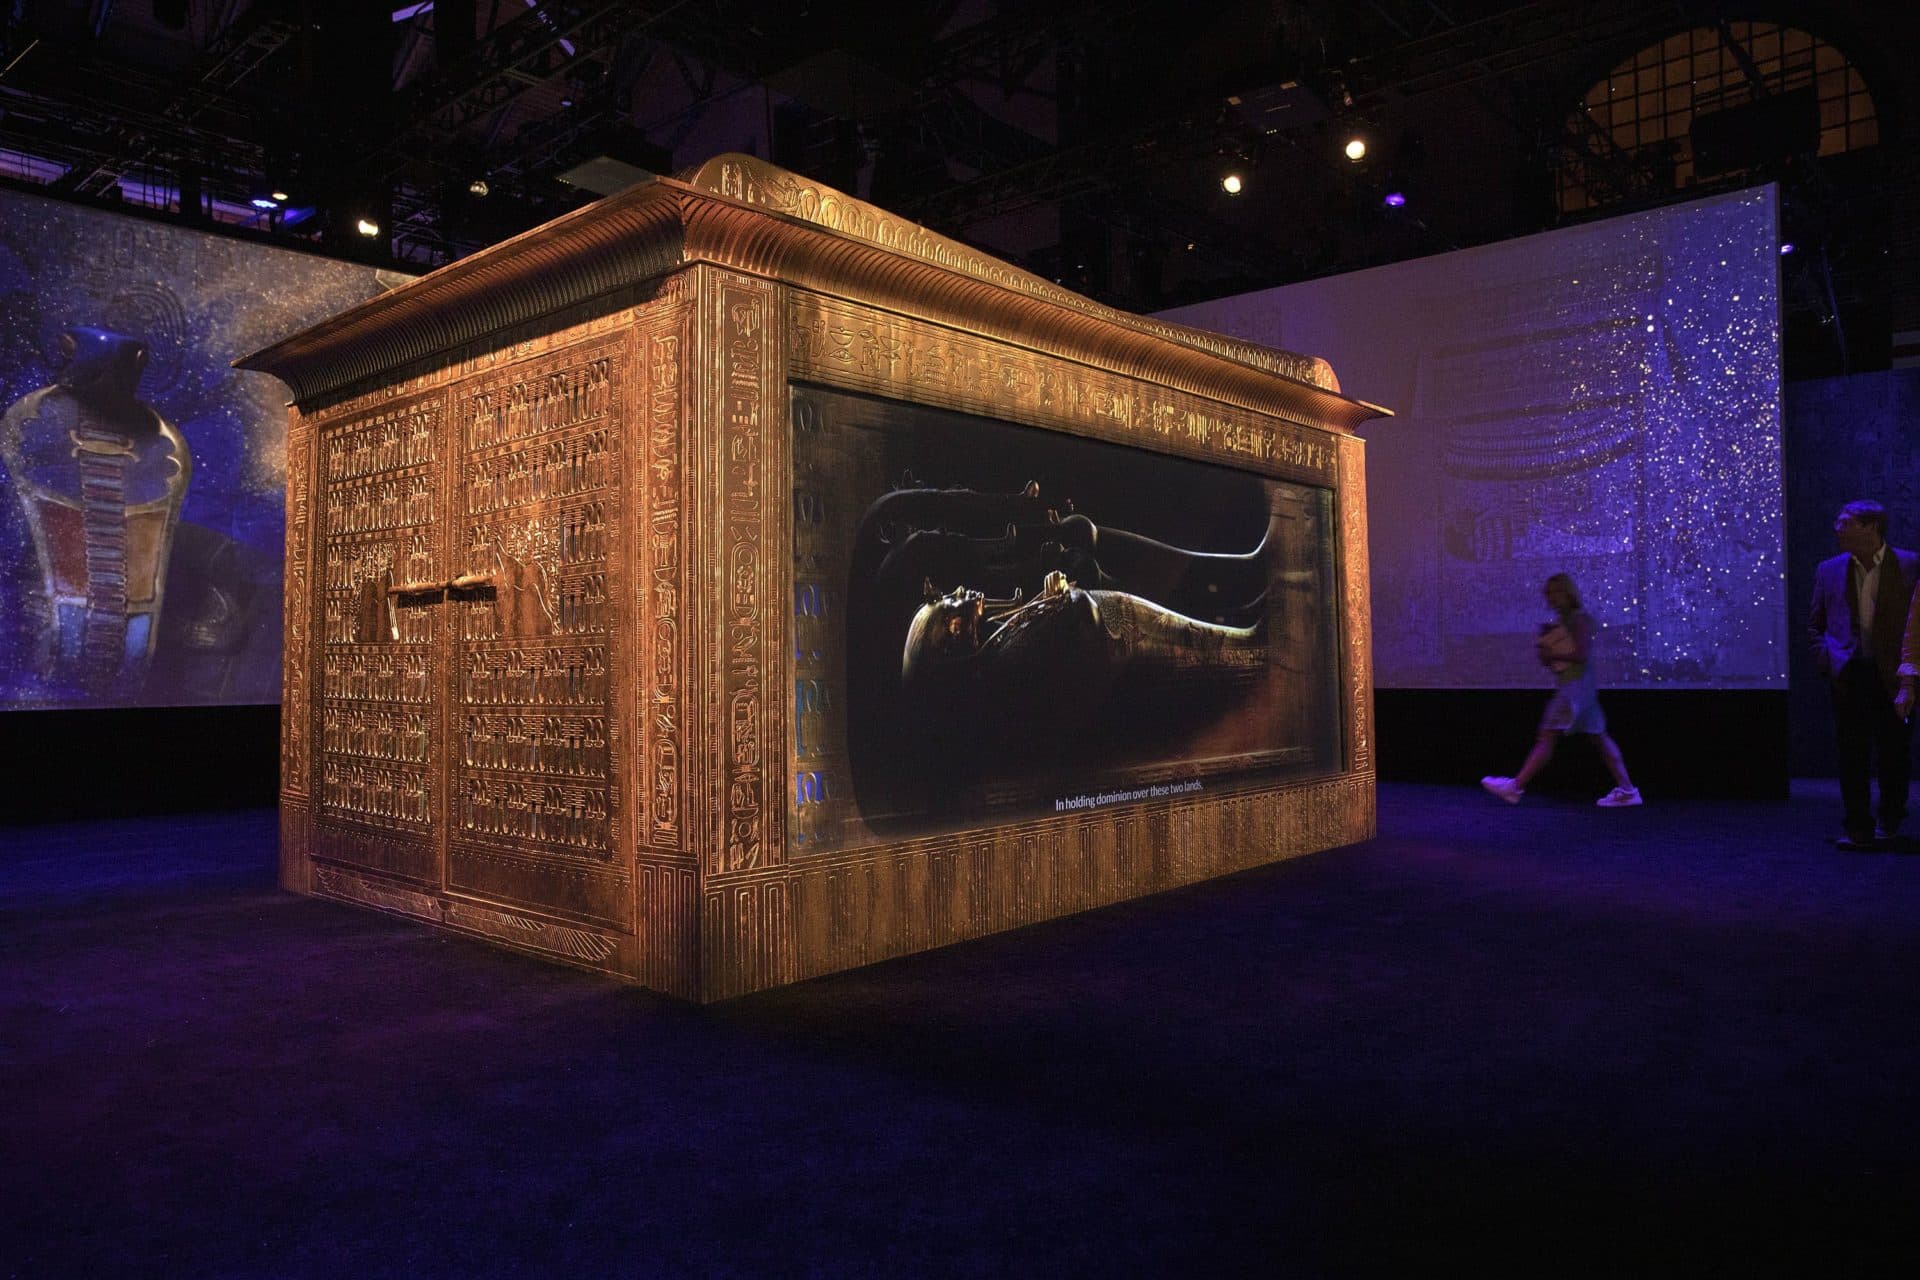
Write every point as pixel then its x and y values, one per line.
pixel 1636 130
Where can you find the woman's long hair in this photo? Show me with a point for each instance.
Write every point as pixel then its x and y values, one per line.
pixel 1565 583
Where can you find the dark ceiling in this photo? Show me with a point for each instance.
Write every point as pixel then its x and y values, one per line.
pixel 1083 140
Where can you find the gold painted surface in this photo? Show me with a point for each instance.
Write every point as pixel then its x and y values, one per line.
pixel 666 622
pixel 861 348
pixel 743 363
pixel 538 738
pixel 374 735
pixel 846 912
pixel 1358 614
pixel 644 661
pixel 295 690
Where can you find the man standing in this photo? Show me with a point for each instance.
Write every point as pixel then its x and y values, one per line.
pixel 1860 602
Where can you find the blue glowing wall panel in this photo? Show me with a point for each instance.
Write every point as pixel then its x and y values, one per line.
pixel 1603 401
pixel 142 518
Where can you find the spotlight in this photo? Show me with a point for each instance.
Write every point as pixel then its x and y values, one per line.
pixel 478 187
pixel 1232 184
pixel 1356 148
pixel 1394 200
pixel 1786 247
pixel 280 194
pixel 266 202
pixel 367 227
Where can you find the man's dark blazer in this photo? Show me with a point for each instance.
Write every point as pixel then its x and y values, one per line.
pixel 1831 625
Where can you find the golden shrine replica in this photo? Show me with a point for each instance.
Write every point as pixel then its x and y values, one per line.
pixel 730 583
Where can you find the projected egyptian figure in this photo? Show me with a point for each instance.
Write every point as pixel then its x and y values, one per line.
pixel 100 477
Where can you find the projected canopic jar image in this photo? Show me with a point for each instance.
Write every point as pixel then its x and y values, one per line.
pixel 138 463
pixel 992 618
pixel 99 477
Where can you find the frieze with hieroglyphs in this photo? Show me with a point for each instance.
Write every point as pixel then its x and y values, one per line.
pixel 891 356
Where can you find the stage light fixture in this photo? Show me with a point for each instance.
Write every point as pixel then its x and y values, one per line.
pixel 1394 200
pixel 1786 247
pixel 478 187
pixel 367 227
pixel 280 194
pixel 265 202
pixel 1356 148
pixel 1231 183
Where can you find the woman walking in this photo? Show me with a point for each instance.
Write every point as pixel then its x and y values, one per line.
pixel 1565 647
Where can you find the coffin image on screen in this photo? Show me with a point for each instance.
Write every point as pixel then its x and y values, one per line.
pixel 994 621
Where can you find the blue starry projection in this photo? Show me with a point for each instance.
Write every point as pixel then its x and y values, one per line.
pixel 143 510
pixel 1602 400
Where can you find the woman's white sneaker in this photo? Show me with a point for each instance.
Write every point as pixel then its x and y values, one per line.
pixel 1506 788
pixel 1619 798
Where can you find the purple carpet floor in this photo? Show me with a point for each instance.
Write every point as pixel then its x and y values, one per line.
pixel 1544 1040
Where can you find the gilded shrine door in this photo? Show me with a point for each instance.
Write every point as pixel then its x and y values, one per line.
pixel 469 742
pixel 533 781
pixel 377 713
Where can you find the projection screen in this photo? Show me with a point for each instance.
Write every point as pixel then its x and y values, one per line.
pixel 1602 400
pixel 142 518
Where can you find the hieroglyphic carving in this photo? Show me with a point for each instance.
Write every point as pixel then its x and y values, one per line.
pixel 394 441
pixel 536 473
pixel 378 733
pixel 664 607
pixel 743 331
pixel 1356 617
pixel 535 648
pixel 555 815
pixel 296 672
pixel 379 524
pixel 855 346
pixel 549 400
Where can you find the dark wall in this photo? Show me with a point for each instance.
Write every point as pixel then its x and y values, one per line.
pixel 1723 744
pixel 57 765
pixel 1846 438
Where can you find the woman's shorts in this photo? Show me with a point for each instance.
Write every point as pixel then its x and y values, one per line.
pixel 1574 708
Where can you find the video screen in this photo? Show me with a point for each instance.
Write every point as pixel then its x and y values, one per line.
pixel 143 511
pixel 994 620
pixel 1601 401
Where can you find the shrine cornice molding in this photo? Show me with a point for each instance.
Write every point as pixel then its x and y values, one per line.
pixel 745 215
